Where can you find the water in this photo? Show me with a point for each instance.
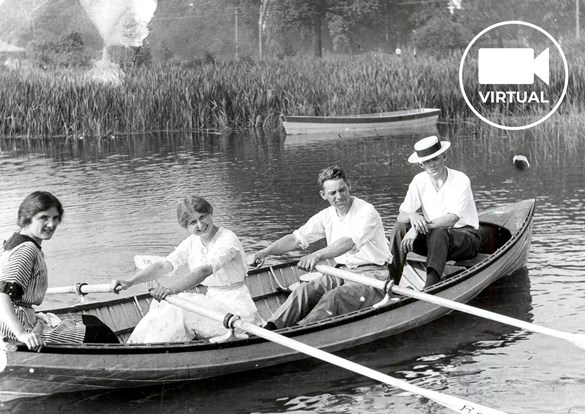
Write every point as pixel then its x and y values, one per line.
pixel 120 194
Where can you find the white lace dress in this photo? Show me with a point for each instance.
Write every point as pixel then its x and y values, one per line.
pixel 226 292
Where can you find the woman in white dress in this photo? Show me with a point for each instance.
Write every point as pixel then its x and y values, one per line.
pixel 216 260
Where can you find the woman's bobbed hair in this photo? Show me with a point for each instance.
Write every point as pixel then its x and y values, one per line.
pixel 188 206
pixel 34 203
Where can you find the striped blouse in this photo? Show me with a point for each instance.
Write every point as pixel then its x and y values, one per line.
pixel 25 266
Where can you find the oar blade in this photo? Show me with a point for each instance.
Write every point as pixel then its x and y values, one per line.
pixel 577 340
pixel 143 261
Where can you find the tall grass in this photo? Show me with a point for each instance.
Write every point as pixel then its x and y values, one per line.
pixel 242 94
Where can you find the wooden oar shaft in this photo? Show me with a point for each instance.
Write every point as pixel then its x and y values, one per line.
pixel 81 288
pixel 354 277
pixel 578 340
pixel 453 403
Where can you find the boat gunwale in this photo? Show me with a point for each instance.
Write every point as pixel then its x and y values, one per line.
pixel 378 117
pixel 293 331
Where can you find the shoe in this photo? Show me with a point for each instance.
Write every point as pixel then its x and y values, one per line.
pixel 270 326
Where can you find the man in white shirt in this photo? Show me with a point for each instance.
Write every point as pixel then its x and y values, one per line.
pixel 438 217
pixel 355 240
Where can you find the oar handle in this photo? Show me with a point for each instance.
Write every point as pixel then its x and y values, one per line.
pixel 81 289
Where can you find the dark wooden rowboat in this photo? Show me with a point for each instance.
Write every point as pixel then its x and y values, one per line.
pixel 381 123
pixel 506 234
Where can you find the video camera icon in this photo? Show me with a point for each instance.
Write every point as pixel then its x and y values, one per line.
pixel 504 66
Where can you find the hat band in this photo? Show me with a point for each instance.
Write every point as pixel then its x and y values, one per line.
pixel 428 151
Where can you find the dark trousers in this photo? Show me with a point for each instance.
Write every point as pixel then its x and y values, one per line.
pixel 438 246
pixel 97 332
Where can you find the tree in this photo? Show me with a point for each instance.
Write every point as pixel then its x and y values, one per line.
pixel 141 55
pixel 347 17
pixel 306 15
pixel 191 29
pixel 442 34
pixel 340 17
pixel 69 51
pixel 555 16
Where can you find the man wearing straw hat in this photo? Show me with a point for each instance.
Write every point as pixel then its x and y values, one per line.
pixel 438 217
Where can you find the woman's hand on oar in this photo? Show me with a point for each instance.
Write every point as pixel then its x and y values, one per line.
pixel 575 339
pixel 118 285
pixel 160 292
pixel 233 321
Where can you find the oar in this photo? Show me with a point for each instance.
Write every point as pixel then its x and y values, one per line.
pixel 81 289
pixel 575 339
pixel 233 321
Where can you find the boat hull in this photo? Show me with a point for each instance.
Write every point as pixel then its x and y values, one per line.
pixel 69 368
pixel 384 123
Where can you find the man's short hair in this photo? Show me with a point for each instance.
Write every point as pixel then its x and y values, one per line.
pixel 331 173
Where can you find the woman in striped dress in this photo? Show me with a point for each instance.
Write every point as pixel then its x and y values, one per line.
pixel 23 282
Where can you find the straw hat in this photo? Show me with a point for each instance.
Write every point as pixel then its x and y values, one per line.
pixel 428 148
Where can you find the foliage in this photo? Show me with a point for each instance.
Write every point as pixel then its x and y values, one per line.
pixel 442 34
pixel 555 16
pixel 340 17
pixel 141 55
pixel 425 11
pixel 184 30
pixel 69 51
pixel 219 95
pixel 165 52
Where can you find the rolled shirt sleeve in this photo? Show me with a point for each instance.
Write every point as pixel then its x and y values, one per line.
pixel 362 224
pixel 412 202
pixel 313 230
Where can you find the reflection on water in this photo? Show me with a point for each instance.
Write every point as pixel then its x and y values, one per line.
pixel 120 194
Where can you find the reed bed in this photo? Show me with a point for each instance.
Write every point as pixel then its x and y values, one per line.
pixel 241 94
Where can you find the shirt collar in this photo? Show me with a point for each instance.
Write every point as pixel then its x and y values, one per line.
pixel 17 239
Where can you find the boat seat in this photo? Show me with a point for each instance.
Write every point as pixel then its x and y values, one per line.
pixel 414 257
pixel 473 261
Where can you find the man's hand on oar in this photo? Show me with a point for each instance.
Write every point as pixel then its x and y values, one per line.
pixel 231 321
pixel 575 339
pixel 255 260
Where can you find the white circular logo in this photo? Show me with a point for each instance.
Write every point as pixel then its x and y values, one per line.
pixel 513 80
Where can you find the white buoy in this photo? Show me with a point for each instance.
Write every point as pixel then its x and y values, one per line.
pixel 521 162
